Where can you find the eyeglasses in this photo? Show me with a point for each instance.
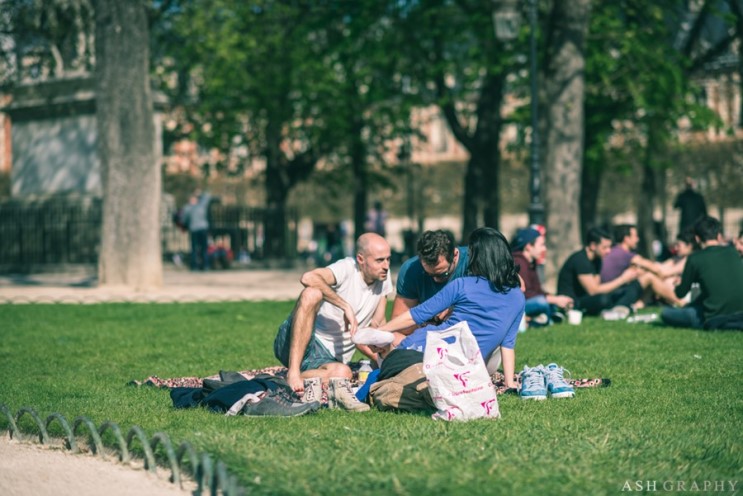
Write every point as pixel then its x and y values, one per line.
pixel 443 275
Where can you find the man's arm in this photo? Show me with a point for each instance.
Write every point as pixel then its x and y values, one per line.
pixel 650 266
pixel 400 306
pixel 378 320
pixel 322 279
pixel 592 282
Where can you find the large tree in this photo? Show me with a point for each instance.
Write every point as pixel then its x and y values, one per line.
pixel 666 45
pixel 564 87
pixel 456 59
pixel 130 239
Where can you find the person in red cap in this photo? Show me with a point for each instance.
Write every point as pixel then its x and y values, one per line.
pixel 528 247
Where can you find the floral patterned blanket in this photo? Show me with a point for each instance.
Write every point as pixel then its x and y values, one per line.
pixel 197 382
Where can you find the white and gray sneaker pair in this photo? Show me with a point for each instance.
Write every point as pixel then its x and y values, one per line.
pixel 537 382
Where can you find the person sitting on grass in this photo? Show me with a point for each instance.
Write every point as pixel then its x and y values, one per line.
pixel 528 248
pixel 579 278
pixel 488 297
pixel 315 340
pixel 622 256
pixel 439 261
pixel 672 268
pixel 718 270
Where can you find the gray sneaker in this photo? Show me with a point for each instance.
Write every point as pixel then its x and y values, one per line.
pixel 277 404
pixel 341 396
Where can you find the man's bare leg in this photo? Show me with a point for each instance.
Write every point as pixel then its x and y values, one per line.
pixel 659 288
pixel 329 371
pixel 303 323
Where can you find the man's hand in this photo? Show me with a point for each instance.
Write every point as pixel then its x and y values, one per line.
pixel 349 318
pixel 562 301
pixel 630 275
pixel 295 381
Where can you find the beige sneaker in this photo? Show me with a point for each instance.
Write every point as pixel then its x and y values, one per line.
pixel 312 390
pixel 341 396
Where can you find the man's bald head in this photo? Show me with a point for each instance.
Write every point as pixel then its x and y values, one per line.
pixel 373 257
pixel 369 242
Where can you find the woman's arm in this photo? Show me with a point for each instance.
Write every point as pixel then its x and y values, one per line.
pixel 509 366
pixel 402 321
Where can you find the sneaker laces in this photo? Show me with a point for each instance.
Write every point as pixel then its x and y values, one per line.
pixel 555 375
pixel 533 377
pixel 345 387
pixel 280 397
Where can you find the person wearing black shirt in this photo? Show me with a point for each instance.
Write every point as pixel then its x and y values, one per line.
pixel 718 269
pixel 579 278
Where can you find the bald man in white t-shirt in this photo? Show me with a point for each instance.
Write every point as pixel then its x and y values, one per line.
pixel 315 340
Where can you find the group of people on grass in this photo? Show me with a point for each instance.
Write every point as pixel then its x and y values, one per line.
pixel 493 285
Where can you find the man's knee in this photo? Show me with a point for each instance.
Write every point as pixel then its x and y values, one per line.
pixel 309 298
pixel 337 369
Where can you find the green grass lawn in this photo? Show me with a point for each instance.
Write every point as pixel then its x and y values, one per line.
pixel 674 411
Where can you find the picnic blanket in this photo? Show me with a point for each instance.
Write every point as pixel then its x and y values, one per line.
pixel 196 382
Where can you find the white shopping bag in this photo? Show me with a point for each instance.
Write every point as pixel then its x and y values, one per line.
pixel 456 373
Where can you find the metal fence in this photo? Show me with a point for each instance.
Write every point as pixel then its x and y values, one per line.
pixel 35 235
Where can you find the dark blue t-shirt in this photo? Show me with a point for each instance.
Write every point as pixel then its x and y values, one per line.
pixel 414 284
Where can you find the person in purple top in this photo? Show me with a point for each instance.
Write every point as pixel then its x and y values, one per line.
pixel 623 256
pixel 488 297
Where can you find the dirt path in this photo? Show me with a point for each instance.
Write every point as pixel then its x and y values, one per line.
pixel 28 469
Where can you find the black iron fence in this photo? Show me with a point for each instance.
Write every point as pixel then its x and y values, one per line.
pixel 58 231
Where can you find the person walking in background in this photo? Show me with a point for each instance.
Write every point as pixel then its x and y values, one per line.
pixel 718 270
pixel 196 219
pixel 376 219
pixel 691 204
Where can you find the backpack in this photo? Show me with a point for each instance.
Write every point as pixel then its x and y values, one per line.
pixel 178 220
pixel 407 391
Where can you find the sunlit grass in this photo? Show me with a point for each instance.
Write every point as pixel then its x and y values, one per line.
pixel 674 410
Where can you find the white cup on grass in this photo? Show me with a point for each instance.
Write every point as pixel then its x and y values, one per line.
pixel 575 317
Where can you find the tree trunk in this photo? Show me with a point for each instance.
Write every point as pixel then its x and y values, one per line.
pixel 130 237
pixel 487 139
pixel 645 202
pixel 564 93
pixel 360 180
pixel 277 191
pixel 590 186
pixel 470 200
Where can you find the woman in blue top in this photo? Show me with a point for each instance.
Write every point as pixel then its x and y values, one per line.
pixel 489 298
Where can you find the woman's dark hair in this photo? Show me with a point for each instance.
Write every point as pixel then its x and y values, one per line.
pixel 490 257
pixel 688 237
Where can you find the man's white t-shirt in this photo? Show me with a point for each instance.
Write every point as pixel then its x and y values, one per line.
pixel 363 298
